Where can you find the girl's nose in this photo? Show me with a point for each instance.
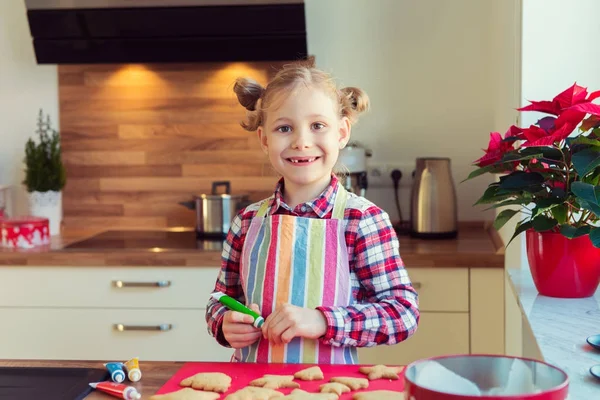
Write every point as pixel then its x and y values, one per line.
pixel 302 139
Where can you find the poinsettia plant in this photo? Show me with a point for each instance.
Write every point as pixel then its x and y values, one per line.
pixel 550 169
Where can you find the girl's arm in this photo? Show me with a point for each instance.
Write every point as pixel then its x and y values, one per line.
pixel 386 309
pixel 228 280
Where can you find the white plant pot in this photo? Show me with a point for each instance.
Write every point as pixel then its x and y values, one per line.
pixel 48 205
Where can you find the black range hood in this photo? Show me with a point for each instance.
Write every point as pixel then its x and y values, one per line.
pixel 160 31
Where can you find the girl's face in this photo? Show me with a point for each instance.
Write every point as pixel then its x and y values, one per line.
pixel 303 137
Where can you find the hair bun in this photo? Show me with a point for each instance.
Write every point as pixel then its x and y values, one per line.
pixel 248 92
pixel 354 101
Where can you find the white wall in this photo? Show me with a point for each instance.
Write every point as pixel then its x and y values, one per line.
pixel 25 87
pixel 560 47
pixel 428 67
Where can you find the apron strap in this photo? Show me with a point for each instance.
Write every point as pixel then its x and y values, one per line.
pixel 264 208
pixel 339 207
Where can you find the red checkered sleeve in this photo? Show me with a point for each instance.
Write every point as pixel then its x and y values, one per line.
pixel 228 279
pixel 386 305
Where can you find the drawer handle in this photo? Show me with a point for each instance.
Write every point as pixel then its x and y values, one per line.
pixel 161 327
pixel 122 284
pixel 416 285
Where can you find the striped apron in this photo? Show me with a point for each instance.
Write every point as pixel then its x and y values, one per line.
pixel 300 261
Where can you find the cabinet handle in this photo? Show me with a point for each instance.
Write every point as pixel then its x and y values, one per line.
pixel 121 284
pixel 416 285
pixel 161 327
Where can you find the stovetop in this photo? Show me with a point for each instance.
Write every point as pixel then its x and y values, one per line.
pixel 156 240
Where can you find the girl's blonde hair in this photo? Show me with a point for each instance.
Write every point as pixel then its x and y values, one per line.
pixel 256 99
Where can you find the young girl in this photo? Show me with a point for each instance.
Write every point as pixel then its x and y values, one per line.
pixel 321 265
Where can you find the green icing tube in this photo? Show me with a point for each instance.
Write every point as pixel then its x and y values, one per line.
pixel 235 305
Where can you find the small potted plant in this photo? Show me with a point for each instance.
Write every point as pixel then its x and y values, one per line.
pixel 550 171
pixel 45 175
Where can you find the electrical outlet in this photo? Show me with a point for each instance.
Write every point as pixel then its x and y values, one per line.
pixel 380 174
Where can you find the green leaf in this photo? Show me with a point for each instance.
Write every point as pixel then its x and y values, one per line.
pixel 545 205
pixel 572 232
pixel 512 202
pixel 512 157
pixel 491 195
pixel 586 161
pixel 587 192
pixel 522 227
pixel 595 237
pixel 583 140
pixel 522 181
pixel 560 212
pixel 480 171
pixel 542 223
pixel 590 206
pixel 550 153
pixel 503 217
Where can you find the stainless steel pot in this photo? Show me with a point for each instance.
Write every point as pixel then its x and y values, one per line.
pixel 214 212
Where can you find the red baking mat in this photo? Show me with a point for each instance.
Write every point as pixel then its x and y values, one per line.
pixel 242 373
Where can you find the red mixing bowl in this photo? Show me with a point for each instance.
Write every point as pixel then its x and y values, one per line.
pixel 493 377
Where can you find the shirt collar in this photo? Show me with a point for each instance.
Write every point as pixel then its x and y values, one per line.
pixel 321 205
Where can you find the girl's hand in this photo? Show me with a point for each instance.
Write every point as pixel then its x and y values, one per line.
pixel 238 329
pixel 289 321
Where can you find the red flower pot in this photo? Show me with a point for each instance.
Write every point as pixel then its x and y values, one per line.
pixel 562 267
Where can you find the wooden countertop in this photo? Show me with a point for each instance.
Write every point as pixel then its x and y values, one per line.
pixel 478 245
pixel 155 373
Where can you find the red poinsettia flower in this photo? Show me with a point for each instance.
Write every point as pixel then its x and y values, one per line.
pixel 570 97
pixel 570 107
pixel 497 147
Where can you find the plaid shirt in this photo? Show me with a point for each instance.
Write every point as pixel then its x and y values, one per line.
pixel 385 308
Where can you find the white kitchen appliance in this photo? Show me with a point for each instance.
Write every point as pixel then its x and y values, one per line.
pixel 352 165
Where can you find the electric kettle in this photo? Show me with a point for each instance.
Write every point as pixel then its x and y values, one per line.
pixel 433 205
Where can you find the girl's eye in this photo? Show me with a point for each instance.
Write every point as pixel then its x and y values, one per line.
pixel 284 129
pixel 317 126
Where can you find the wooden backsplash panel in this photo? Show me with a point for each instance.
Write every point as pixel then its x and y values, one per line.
pixel 138 139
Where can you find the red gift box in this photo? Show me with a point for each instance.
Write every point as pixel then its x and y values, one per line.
pixel 25 232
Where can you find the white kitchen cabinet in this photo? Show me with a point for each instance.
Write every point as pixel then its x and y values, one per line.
pixel 73 313
pixel 462 312
pixel 438 333
pixel 89 333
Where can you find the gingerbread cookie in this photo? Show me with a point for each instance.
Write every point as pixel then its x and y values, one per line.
pixel 275 382
pixel 310 374
pixel 298 394
pixel 254 393
pixel 209 381
pixel 381 372
pixel 379 395
pixel 187 394
pixel 334 387
pixel 352 383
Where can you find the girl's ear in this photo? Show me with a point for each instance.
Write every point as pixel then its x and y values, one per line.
pixel 345 130
pixel 262 138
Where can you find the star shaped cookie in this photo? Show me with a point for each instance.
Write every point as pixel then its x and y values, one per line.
pixel 381 372
pixel 254 393
pixel 352 383
pixel 298 394
pixel 275 382
pixel 379 395
pixel 310 374
pixel 187 394
pixel 209 381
